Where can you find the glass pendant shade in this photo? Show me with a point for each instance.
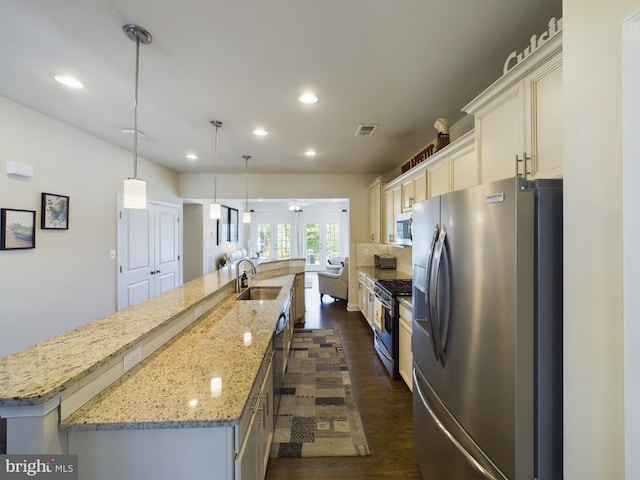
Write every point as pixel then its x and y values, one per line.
pixel 214 211
pixel 135 193
pixel 135 189
pixel 246 217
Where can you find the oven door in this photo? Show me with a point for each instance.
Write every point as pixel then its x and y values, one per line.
pixel 384 336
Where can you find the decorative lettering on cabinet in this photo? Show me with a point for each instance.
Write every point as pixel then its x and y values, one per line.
pixel 535 43
pixel 418 159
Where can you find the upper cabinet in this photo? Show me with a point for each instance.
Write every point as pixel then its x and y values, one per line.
pixel 393 206
pixel 414 189
pixel 518 119
pixel 451 168
pixel 376 219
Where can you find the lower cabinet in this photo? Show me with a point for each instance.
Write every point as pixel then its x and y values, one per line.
pixel 365 290
pixel 255 431
pixel 405 363
pixel 297 300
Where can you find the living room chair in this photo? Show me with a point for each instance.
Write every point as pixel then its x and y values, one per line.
pixel 335 284
pixel 335 264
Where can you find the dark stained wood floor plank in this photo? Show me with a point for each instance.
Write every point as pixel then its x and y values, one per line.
pixel 384 404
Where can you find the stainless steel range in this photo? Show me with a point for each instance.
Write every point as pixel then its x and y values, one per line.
pixel 387 319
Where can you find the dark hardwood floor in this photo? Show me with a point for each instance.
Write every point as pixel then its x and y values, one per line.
pixel 384 403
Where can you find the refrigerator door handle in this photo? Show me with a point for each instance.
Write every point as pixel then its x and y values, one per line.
pixel 417 388
pixel 427 296
pixel 434 290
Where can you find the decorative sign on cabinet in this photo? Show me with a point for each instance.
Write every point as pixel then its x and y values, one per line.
pixel 451 168
pixel 518 119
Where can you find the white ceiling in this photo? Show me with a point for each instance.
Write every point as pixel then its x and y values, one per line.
pixel 397 63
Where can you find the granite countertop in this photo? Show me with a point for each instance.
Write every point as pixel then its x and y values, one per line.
pixel 172 388
pixel 39 373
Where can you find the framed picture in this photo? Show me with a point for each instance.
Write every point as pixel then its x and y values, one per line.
pixel 233 225
pixel 223 225
pixel 55 212
pixel 228 225
pixel 17 229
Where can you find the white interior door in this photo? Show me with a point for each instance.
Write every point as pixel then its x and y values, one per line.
pixel 166 248
pixel 148 252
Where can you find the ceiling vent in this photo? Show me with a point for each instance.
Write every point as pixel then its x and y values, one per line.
pixel 366 130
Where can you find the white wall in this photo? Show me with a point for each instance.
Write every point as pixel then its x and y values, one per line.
pixel 631 240
pixel 69 278
pixel 352 187
pixel 192 255
pixel 593 341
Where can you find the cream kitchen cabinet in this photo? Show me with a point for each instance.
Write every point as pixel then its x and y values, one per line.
pixel 414 189
pixel 376 219
pixel 518 119
pixel 365 287
pixel 393 206
pixel 464 166
pixel 405 364
pixel 439 177
pixel 297 299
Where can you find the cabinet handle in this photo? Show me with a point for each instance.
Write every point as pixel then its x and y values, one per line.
pixel 518 160
pixel 522 160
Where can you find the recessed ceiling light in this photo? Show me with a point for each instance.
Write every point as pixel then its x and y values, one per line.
pixel 68 81
pixel 310 153
pixel 129 131
pixel 308 98
pixel 260 132
pixel 191 156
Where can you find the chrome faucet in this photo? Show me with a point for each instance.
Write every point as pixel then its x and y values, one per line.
pixel 238 277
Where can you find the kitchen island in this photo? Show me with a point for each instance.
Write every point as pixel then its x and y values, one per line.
pixel 171 390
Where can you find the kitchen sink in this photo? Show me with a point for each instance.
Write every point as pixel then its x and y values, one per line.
pixel 260 293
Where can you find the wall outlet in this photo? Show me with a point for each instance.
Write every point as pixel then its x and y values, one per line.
pixel 132 358
pixel 113 254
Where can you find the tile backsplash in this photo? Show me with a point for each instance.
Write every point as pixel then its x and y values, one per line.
pixel 366 251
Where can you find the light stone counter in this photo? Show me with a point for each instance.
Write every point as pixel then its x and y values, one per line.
pixel 55 367
pixel 172 388
pixel 39 373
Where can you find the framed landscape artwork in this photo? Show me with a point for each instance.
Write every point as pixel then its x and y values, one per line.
pixel 55 212
pixel 17 229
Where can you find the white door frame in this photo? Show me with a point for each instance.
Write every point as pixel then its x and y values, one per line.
pixel 631 240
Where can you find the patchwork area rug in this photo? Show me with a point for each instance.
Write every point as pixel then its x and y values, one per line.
pixel 318 414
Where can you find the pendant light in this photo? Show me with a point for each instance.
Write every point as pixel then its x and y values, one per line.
pixel 135 189
pixel 246 216
pixel 214 208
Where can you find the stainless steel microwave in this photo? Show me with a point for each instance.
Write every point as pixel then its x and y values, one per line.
pixel 403 228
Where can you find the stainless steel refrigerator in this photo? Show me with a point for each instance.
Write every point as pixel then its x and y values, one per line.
pixel 487 332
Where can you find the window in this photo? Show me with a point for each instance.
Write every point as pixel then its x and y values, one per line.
pixel 276 246
pixel 283 242
pixel 264 240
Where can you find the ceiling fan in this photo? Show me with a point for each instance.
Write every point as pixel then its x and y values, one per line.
pixel 296 206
